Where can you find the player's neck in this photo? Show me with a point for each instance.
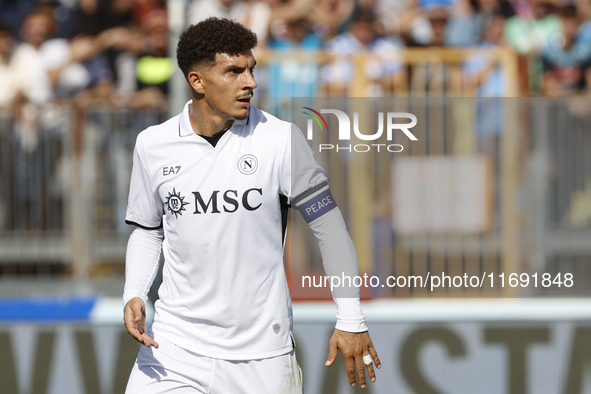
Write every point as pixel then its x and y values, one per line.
pixel 205 121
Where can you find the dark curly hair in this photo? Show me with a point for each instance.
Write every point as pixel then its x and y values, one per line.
pixel 199 43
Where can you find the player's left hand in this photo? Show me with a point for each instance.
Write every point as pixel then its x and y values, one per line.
pixel 353 347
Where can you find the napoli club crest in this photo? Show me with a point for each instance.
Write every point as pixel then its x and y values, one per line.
pixel 175 203
pixel 248 164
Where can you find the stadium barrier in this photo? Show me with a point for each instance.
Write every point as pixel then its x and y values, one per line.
pixel 63 190
pixel 79 346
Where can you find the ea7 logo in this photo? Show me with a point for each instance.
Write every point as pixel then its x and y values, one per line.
pixel 345 124
pixel 171 170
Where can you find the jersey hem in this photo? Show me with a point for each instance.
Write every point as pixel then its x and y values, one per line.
pixel 234 356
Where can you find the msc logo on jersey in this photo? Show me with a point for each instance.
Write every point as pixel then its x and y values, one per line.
pixel 228 201
pixel 175 203
pixel 250 201
pixel 248 164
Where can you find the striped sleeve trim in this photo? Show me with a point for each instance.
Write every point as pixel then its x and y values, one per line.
pixel 144 227
pixel 297 200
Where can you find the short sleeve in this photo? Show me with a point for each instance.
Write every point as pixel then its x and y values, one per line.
pixel 144 207
pixel 300 172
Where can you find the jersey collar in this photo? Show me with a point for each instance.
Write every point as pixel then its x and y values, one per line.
pixel 185 128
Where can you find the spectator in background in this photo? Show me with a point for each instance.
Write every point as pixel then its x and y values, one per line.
pixel 413 24
pixel 465 24
pixel 255 15
pixel 327 18
pixel 580 52
pixel 140 61
pixel 438 19
pixel 482 76
pixel 17 76
pixel 290 76
pixel 101 15
pixel 432 76
pixel 426 22
pixel 428 27
pixel 67 12
pixel 64 68
pixel 470 18
pixel 36 30
pixel 382 66
pixel 115 25
pixel 531 31
pixel 20 90
pixel 563 78
pixel 141 8
pixel 332 17
pixel 154 68
pixel 392 14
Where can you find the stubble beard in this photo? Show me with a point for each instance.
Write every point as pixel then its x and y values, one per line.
pixel 227 115
pixel 242 117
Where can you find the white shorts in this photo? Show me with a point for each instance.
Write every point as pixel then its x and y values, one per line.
pixel 172 369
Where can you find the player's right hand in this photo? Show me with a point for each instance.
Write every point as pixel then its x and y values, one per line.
pixel 134 317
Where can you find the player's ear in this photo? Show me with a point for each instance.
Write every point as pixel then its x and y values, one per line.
pixel 195 79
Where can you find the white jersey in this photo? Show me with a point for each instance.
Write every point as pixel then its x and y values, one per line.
pixel 224 292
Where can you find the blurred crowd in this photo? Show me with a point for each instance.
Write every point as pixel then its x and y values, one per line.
pixel 85 50
pixel 117 50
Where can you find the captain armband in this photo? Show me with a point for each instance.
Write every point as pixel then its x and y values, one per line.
pixel 315 202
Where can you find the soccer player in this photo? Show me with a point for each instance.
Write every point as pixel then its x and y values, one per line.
pixel 211 186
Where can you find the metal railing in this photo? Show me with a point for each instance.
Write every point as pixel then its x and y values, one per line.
pixel 33 190
pixel 409 72
pixel 538 198
pixel 64 182
pixel 558 180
